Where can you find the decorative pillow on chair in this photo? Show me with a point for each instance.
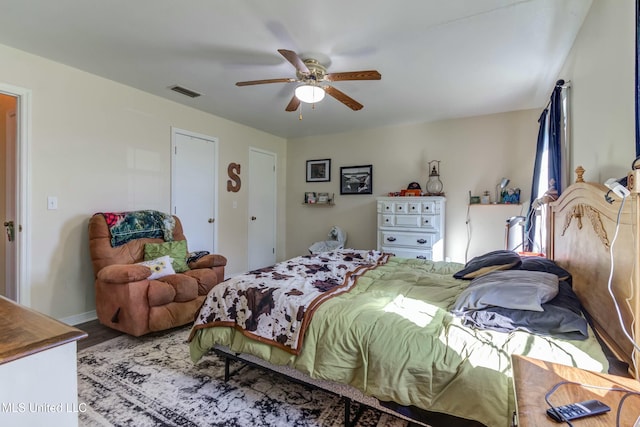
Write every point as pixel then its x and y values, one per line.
pixel 177 250
pixel 159 267
pixel 491 261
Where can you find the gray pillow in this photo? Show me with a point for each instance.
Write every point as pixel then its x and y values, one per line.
pixel 562 317
pixel 515 289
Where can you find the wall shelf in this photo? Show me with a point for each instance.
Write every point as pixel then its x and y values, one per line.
pixel 495 204
pixel 318 199
pixel 319 204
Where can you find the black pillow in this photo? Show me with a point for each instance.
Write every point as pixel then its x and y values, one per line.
pixel 491 261
pixel 548 266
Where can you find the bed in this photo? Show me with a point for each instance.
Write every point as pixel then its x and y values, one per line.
pixel 398 334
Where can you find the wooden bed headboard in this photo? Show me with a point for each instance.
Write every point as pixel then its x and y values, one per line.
pixel 581 228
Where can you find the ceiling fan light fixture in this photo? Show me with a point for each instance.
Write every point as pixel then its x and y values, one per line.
pixel 310 94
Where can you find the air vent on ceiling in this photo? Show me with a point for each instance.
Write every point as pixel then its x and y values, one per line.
pixel 185 91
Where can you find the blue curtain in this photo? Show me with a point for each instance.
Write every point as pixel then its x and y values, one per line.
pixel 555 138
pixel 549 154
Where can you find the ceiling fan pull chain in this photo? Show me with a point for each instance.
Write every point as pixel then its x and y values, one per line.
pixel 300 115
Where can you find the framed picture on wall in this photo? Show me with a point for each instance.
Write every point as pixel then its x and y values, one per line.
pixel 356 179
pixel 319 170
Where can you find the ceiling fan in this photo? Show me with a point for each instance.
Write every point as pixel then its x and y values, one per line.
pixel 312 77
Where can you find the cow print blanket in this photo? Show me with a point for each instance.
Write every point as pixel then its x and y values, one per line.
pixel 275 304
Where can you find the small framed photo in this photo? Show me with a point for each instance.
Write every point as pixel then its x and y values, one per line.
pixel 323 197
pixel 319 170
pixel 510 196
pixel 310 197
pixel 356 179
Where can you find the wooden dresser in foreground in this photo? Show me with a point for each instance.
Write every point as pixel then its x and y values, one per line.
pixel 534 378
pixel 38 369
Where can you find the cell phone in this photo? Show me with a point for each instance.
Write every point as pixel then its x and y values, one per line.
pixel 576 410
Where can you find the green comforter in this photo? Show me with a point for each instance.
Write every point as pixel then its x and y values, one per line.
pixel 393 338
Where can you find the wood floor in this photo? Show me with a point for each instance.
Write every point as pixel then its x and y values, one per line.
pixel 97 333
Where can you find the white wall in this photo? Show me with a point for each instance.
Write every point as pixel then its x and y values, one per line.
pixel 475 153
pixel 601 67
pixel 101 146
pixel 487 227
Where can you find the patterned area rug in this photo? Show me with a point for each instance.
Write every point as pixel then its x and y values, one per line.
pixel 151 381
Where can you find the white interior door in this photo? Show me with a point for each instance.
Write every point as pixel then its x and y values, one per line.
pixel 193 188
pixel 11 230
pixel 262 209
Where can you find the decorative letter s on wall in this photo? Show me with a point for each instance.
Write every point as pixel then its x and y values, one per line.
pixel 234 183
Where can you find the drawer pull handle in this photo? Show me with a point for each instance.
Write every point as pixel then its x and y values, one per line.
pixel 421 257
pixel 426 221
pixel 421 241
pixel 391 239
pixel 386 220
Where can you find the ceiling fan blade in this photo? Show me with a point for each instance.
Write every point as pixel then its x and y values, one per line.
pixel 295 60
pixel 293 104
pixel 345 99
pixel 259 82
pixel 354 75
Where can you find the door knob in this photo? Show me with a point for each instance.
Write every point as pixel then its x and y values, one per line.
pixel 211 220
pixel 10 230
pixel 253 218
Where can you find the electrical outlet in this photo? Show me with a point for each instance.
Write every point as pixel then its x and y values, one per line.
pixel 52 203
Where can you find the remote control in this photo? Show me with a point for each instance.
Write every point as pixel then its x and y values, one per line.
pixel 577 410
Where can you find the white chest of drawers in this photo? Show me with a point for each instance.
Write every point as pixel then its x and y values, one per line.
pixel 412 227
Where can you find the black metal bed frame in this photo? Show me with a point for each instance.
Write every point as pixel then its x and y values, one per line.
pixel 363 401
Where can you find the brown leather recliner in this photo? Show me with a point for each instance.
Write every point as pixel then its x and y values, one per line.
pixel 128 301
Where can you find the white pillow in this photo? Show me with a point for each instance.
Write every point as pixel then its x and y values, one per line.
pixel 159 267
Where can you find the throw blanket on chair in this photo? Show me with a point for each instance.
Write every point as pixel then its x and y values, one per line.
pixel 126 226
pixel 274 305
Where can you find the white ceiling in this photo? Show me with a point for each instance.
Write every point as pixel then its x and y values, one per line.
pixel 438 58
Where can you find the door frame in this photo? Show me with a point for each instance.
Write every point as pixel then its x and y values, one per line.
pixel 214 141
pixel 21 287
